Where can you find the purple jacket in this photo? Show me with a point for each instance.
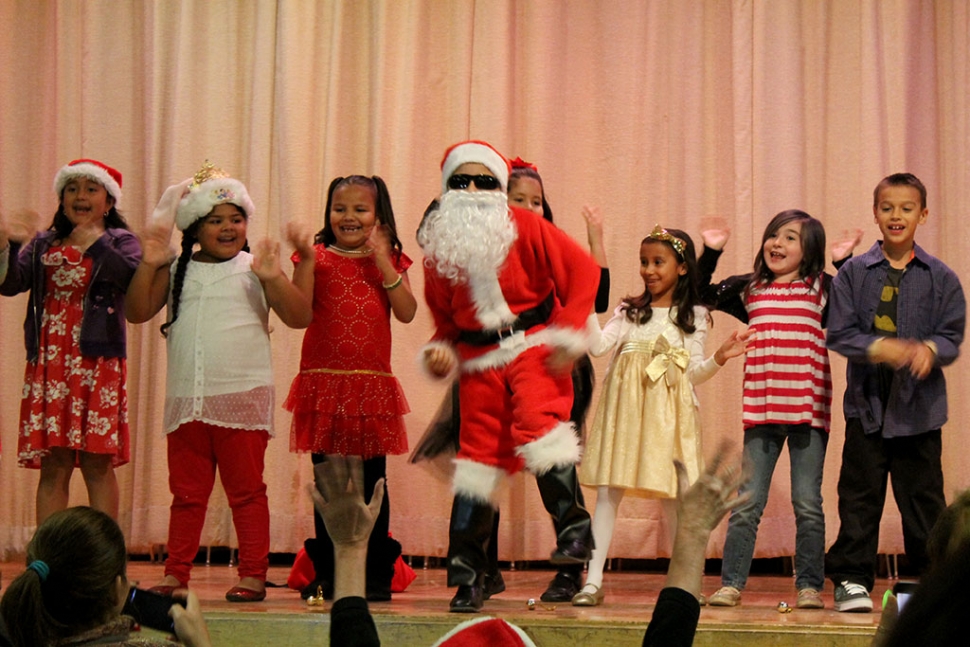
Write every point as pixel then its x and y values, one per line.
pixel 116 254
pixel 931 307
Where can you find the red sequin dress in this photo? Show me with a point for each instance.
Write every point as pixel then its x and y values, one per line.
pixel 71 400
pixel 345 399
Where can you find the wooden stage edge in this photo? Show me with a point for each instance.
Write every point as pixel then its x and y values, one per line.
pixel 419 616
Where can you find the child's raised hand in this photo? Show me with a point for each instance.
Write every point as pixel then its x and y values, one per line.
pixel 715 232
pixel 438 361
pixel 300 235
pixel 594 223
pixel 735 345
pixel 156 250
pixel 380 241
pixel 266 260
pixel 22 225
pixel 843 246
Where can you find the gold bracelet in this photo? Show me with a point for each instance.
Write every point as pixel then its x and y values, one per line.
pixel 391 286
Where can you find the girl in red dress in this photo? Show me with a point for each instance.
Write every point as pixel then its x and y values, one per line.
pixel 345 399
pixel 74 410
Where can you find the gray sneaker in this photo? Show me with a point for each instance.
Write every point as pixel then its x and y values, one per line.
pixel 852 597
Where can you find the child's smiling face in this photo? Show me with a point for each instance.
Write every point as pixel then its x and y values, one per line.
pixel 898 212
pixel 352 215
pixel 85 201
pixel 660 270
pixel 783 252
pixel 221 234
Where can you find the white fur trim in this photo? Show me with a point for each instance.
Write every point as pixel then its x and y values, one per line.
pixel 558 448
pixel 434 345
pixel 88 169
pixel 202 199
pixel 491 308
pixel 474 152
pixel 573 340
pixel 476 481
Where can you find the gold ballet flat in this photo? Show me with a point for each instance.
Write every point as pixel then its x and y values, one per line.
pixel 589 599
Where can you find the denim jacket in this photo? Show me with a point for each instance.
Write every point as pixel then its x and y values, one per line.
pixel 115 256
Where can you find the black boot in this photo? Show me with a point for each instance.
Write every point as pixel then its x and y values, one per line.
pixel 471 525
pixel 563 499
pixel 564 585
pixel 494 582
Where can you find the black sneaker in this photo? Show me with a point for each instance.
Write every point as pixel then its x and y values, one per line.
pixel 562 588
pixel 852 597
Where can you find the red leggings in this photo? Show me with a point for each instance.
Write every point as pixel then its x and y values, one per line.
pixel 194 450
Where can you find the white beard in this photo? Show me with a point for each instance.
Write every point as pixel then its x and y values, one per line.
pixel 469 236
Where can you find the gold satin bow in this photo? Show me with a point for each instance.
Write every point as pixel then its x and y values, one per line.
pixel 667 360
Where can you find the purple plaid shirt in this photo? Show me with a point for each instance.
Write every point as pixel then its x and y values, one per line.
pixel 931 307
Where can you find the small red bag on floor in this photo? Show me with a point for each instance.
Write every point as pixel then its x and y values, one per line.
pixel 403 576
pixel 302 572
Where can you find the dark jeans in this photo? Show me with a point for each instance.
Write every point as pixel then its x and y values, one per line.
pixel 913 464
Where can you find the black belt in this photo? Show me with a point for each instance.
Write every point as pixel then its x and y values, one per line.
pixel 526 319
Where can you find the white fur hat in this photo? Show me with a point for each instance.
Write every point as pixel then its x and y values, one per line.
pixel 101 173
pixel 478 152
pixel 211 186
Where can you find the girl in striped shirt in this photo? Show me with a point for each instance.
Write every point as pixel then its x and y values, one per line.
pixel 787 390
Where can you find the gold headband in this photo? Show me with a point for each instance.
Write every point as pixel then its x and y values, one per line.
pixel 659 233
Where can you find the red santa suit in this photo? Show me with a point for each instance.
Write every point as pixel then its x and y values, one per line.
pixel 514 410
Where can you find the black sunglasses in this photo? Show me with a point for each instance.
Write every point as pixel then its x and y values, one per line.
pixel 483 182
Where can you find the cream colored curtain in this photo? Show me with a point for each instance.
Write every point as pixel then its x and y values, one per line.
pixel 658 111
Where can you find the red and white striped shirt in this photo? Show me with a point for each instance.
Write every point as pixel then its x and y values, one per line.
pixel 787 378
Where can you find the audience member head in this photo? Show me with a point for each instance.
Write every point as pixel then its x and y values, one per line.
pixel 75 578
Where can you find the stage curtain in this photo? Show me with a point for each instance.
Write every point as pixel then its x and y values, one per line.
pixel 657 111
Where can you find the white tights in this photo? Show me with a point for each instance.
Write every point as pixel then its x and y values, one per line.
pixel 604 520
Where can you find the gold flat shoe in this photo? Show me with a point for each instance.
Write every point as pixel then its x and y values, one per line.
pixel 589 599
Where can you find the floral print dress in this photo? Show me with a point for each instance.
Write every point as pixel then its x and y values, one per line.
pixel 70 400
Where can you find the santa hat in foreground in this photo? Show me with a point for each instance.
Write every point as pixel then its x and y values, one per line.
pixel 210 187
pixel 485 632
pixel 101 173
pixel 475 152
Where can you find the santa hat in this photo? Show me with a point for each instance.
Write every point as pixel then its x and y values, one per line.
pixel 477 152
pixel 211 186
pixel 485 632
pixel 103 174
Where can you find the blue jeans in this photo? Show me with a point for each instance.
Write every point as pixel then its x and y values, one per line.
pixel 806 450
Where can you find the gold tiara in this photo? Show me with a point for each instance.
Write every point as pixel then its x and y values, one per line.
pixel 659 233
pixel 209 171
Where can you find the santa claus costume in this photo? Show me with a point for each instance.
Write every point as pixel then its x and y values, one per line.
pixel 509 292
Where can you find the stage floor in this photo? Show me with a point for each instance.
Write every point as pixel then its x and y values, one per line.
pixel 420 615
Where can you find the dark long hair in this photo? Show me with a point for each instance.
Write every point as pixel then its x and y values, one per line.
pixel 813 248
pixel 526 171
pixel 382 209
pixel 85 553
pixel 686 294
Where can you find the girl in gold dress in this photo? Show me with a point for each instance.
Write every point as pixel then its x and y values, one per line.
pixel 647 413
